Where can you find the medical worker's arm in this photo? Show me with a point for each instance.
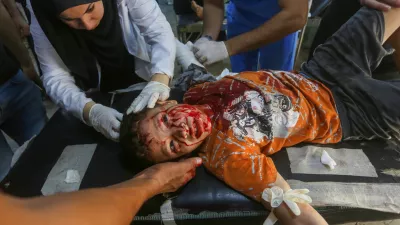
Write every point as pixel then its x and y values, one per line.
pixel 60 86
pixel 213 17
pixel 291 18
pixel 114 205
pixel 157 32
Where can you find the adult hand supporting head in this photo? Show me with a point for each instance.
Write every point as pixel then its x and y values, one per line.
pixel 156 90
pixel 166 177
pixel 383 5
pixel 208 51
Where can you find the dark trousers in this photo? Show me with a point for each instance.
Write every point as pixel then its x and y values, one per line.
pixel 337 14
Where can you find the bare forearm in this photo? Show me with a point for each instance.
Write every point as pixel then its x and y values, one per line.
pixel 103 206
pixel 281 25
pixel 10 37
pixel 308 215
pixel 213 17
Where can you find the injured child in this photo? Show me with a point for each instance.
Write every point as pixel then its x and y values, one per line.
pixel 236 122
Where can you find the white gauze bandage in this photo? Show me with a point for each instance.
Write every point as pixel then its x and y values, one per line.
pixel 275 196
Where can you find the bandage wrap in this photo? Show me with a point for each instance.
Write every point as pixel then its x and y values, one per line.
pixel 275 196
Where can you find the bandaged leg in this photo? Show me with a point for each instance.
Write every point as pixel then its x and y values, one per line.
pixel 185 56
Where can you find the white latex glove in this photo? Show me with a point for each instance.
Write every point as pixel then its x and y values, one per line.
pixel 327 160
pixel 383 5
pixel 106 121
pixel 148 97
pixel 276 196
pixel 209 52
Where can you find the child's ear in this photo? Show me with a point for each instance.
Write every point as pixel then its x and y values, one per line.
pixel 168 102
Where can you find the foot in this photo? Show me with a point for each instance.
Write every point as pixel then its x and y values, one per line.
pixel 197 9
pixel 185 56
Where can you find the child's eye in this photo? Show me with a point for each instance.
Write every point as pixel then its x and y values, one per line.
pixel 172 146
pixel 91 9
pixel 165 119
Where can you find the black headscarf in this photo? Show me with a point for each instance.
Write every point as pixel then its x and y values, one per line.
pixel 79 49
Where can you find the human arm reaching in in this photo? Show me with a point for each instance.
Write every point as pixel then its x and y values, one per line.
pixel 19 21
pixel 383 5
pixel 10 37
pixel 114 205
pixel 292 17
pixel 61 87
pixel 157 32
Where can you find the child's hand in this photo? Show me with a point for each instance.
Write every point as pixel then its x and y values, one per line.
pixel 280 182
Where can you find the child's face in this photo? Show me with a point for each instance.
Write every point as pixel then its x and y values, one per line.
pixel 173 130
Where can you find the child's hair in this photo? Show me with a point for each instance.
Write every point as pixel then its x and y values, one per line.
pixel 129 140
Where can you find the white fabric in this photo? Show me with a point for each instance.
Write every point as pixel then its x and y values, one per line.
pixel 375 196
pixel 209 52
pixel 148 97
pixel 147 35
pixel 73 157
pixel 72 177
pixel 167 213
pixel 352 162
pixel 185 56
pixel 225 73
pixel 106 121
pixel 271 219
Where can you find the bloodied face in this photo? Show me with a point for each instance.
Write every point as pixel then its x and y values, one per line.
pixel 173 130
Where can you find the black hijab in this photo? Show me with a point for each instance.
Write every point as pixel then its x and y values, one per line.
pixel 79 49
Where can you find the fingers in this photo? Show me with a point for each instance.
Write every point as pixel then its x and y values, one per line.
pixel 188 176
pixel 115 125
pixel 139 104
pixel 199 56
pixel 118 115
pixel 393 3
pixel 133 105
pixel 376 5
pixel 114 135
pixel 190 164
pixel 153 100
pixel 163 96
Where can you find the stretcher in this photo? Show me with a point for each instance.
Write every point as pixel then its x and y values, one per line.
pixel 364 186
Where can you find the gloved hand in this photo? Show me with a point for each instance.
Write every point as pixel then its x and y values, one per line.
pixel 209 52
pixel 106 121
pixel 148 97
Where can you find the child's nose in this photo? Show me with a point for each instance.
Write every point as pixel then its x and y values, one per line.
pixel 181 133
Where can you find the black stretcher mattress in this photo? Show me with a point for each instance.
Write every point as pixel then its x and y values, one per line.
pixel 203 200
